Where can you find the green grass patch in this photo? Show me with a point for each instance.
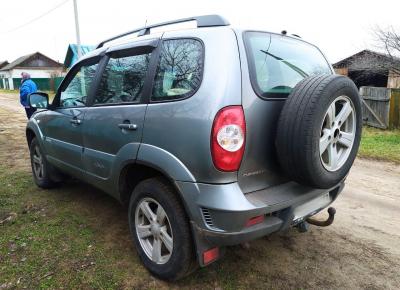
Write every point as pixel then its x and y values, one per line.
pixel 380 144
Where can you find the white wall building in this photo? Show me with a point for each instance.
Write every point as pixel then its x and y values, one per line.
pixel 39 66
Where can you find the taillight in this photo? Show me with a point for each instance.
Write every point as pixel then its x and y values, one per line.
pixel 228 138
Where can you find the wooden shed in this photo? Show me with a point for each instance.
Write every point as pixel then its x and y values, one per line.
pixel 370 68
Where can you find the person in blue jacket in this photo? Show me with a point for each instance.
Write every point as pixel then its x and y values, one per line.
pixel 27 87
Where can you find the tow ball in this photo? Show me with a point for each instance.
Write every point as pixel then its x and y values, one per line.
pixel 303 226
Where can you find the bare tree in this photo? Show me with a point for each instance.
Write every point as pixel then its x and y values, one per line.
pixel 389 40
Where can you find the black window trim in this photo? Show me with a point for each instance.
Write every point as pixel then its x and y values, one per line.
pixel 187 95
pixel 251 67
pixel 70 76
pixel 126 52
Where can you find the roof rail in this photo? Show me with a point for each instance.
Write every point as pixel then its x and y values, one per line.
pixel 202 21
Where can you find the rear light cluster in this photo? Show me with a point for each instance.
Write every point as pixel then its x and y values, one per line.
pixel 228 138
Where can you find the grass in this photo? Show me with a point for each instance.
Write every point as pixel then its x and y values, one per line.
pixel 380 144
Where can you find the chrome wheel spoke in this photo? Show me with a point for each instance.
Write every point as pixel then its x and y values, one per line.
pixel 324 141
pixel 166 239
pixel 344 113
pixel 332 155
pixel 160 215
pixel 143 231
pixel 331 114
pixel 36 159
pixel 145 207
pixel 346 139
pixel 156 250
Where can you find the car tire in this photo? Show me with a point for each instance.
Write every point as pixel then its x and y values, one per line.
pixel 42 171
pixel 314 117
pixel 180 261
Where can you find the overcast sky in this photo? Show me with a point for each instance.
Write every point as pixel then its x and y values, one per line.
pixel 340 28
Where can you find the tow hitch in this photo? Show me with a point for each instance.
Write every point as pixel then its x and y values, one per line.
pixel 328 222
pixel 303 226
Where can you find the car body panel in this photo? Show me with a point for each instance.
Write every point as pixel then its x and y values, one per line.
pixel 63 140
pixel 103 139
pixel 183 127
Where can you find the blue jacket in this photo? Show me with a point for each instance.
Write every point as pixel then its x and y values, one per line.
pixel 28 87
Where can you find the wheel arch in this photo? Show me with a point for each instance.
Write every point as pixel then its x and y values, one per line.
pixel 30 134
pixel 135 172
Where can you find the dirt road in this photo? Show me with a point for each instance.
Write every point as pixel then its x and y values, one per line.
pixel 360 250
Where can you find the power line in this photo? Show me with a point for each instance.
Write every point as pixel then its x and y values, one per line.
pixel 37 18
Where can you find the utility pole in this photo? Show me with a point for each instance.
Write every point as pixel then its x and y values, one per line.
pixel 78 37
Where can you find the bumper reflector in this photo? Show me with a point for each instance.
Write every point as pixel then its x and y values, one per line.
pixel 210 255
pixel 255 220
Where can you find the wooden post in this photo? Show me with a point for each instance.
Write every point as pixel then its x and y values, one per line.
pixel 394 112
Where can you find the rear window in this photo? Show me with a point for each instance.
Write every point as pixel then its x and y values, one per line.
pixel 277 63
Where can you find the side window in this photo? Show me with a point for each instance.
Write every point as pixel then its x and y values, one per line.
pixel 123 80
pixel 75 93
pixel 179 71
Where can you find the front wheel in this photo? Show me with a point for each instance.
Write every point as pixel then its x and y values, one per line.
pixel 41 169
pixel 160 229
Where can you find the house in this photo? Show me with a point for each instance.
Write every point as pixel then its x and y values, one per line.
pixel 3 63
pixel 72 54
pixel 41 68
pixel 370 68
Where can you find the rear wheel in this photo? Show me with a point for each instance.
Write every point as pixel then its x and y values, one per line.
pixel 160 229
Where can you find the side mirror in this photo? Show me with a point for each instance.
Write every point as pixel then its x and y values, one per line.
pixel 39 100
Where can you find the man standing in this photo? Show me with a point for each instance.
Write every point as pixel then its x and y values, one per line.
pixel 27 87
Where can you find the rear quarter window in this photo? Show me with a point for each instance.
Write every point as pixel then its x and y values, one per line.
pixel 278 63
pixel 179 71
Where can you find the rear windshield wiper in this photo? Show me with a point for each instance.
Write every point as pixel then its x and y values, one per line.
pixel 292 66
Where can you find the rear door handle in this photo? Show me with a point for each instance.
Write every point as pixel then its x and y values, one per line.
pixel 128 126
pixel 75 121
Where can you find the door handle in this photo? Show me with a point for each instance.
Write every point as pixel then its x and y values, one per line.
pixel 75 121
pixel 127 126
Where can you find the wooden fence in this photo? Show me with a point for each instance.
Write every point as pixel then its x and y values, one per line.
pixel 381 107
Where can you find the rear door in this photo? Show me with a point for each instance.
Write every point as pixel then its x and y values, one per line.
pixel 113 124
pixel 272 66
pixel 63 124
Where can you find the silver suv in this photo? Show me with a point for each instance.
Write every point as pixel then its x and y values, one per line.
pixel 212 136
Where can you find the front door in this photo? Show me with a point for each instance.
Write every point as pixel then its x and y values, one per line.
pixel 113 124
pixel 63 133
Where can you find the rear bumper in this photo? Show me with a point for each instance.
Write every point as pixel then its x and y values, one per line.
pixel 220 212
pixel 278 217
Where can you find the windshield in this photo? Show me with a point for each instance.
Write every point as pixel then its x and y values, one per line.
pixel 277 63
